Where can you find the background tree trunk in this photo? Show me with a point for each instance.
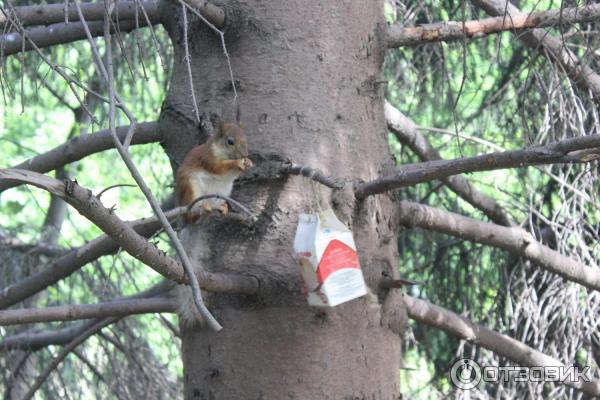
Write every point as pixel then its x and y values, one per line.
pixel 308 81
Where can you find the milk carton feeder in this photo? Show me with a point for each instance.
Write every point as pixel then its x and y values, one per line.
pixel 328 261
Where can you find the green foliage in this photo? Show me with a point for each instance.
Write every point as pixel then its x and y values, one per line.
pixel 482 96
pixel 37 114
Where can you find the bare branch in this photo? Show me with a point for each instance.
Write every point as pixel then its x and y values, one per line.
pixel 564 151
pixel 118 308
pixel 406 132
pixel 456 30
pixel 65 352
pixel 536 39
pixel 48 14
pixel 90 207
pixel 14 42
pixel 41 248
pixel 37 340
pixel 65 265
pixel 503 345
pixel 515 240
pixel 82 146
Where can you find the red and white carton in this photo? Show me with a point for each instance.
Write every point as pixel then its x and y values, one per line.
pixel 329 264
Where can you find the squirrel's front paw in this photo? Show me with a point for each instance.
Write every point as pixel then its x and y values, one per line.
pixel 244 164
pixel 224 208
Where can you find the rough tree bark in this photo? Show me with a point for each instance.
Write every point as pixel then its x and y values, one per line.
pixel 308 79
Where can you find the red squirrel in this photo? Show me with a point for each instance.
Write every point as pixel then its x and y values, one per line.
pixel 211 168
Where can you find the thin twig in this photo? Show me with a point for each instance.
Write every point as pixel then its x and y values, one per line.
pixel 70 81
pixel 104 73
pixel 114 186
pixel 187 265
pixel 188 61
pixel 153 34
pixel 65 352
pixel 223 46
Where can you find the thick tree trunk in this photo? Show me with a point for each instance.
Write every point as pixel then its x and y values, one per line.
pixel 308 80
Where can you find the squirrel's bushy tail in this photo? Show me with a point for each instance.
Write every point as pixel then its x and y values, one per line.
pixel 187 311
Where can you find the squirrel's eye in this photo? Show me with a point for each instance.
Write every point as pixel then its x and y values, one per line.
pixel 230 141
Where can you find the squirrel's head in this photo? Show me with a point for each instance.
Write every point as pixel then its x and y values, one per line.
pixel 228 141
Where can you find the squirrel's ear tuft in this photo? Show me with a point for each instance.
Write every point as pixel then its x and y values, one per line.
pixel 218 125
pixel 205 126
pixel 238 114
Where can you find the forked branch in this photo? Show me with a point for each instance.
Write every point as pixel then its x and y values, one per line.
pixel 406 132
pixel 90 207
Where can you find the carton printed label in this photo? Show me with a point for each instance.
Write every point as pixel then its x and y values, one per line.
pixel 336 256
pixel 328 260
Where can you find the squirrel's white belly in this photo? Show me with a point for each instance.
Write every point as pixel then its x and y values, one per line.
pixel 207 183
